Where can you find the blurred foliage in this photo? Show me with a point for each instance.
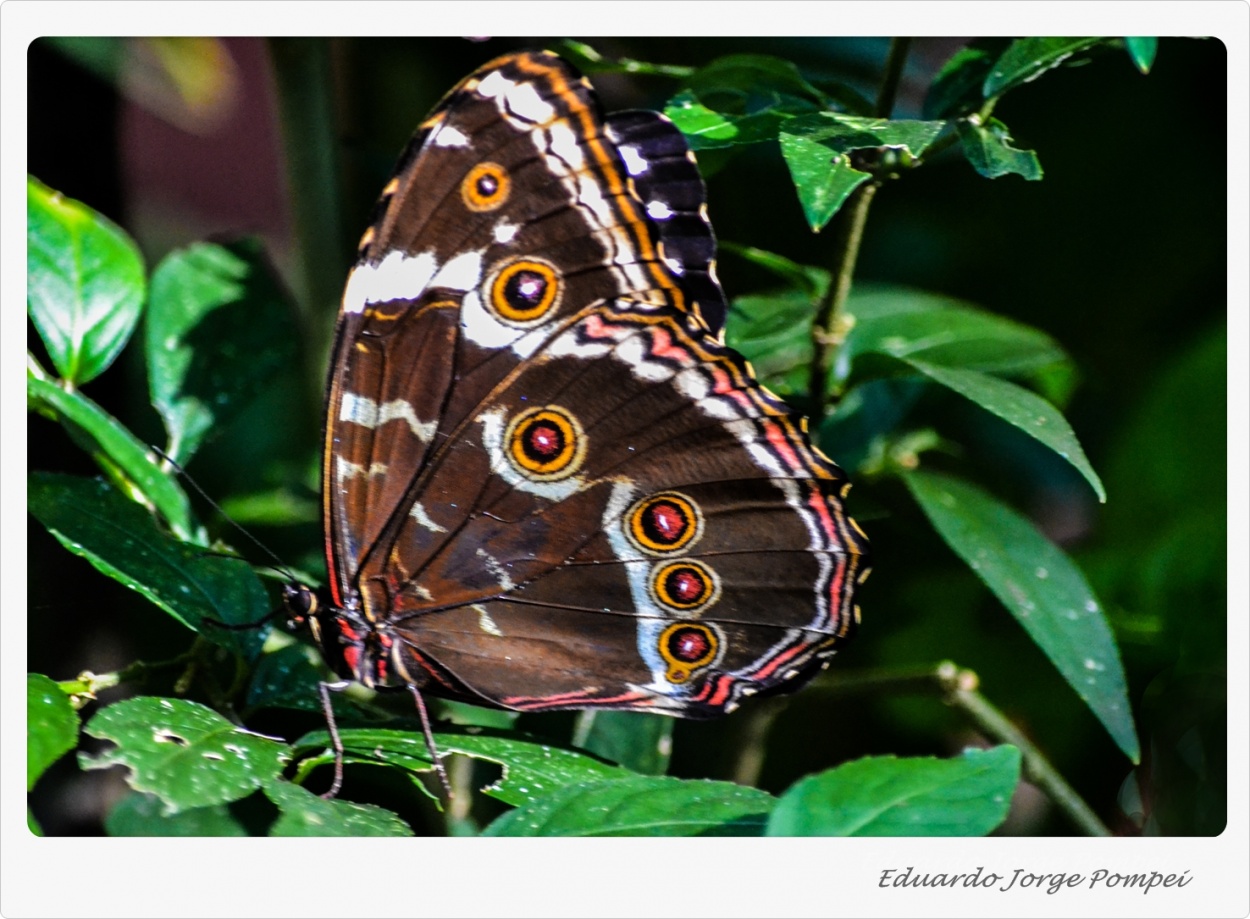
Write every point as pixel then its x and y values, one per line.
pixel 977 308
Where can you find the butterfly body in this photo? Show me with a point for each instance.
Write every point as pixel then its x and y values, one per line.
pixel 548 483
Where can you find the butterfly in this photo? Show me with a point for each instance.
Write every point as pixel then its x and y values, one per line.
pixel 547 482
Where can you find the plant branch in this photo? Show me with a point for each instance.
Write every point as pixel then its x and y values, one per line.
pixel 87 685
pixel 958 688
pixel 895 60
pixel 302 75
pixel 830 327
pixel 961 692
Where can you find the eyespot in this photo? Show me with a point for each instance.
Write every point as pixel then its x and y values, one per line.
pixel 687 647
pixel 687 586
pixel 523 292
pixel 664 523
pixel 545 444
pixel 486 187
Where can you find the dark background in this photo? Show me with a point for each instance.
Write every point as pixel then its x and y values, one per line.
pixel 1119 254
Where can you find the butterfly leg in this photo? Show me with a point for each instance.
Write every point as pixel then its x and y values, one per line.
pixel 335 740
pixel 429 739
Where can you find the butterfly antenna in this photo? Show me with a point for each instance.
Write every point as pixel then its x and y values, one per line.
pixel 278 565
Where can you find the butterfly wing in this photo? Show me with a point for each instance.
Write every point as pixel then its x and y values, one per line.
pixel 545 475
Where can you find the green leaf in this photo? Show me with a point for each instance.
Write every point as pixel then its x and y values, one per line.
pixel 127 461
pixel 280 506
pixel 1040 586
pixel 906 323
pixel 641 806
pixel 51 726
pixel 774 332
pixel 1027 59
pixel 531 769
pixel 808 279
pixel 286 678
pixel 988 148
pixel 818 150
pixel 1017 406
pixel 305 814
pixel 184 753
pixel 219 327
pixel 85 283
pixel 120 539
pixel 588 60
pixel 956 90
pixel 140 814
pixel 708 129
pixel 639 741
pixel 823 179
pixel 748 80
pixel 741 99
pixel 967 795
pixel 1142 52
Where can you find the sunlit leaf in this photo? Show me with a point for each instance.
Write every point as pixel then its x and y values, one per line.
pixel 118 452
pixel 966 795
pixel 184 753
pixel 532 769
pixel 219 327
pixel 85 282
pixel 51 726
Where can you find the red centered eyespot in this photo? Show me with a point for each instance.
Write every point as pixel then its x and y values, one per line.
pixel 545 441
pixel 524 292
pixel 664 524
pixel 686 586
pixel 668 522
pixel 688 645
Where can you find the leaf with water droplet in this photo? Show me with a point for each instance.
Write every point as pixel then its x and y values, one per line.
pixel 527 764
pixel 641 805
pixel 51 725
pixel 1019 407
pixel 305 814
pixel 1010 549
pixel 165 742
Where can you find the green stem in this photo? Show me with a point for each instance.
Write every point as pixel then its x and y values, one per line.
pixel 751 740
pixel 302 75
pixel 958 688
pixel 895 60
pixel 87 684
pixel 830 327
pixel 993 723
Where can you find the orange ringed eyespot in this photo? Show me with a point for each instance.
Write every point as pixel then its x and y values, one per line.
pixel 545 444
pixel 686 585
pixel 687 647
pixel 523 292
pixel 664 523
pixel 485 188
